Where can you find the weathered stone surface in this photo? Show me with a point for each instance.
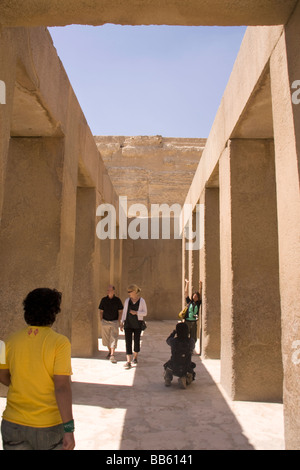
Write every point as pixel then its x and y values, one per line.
pixel 252 96
pixel 46 152
pixel 134 12
pixel 151 169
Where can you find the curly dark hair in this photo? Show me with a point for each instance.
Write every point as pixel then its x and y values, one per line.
pixel 41 306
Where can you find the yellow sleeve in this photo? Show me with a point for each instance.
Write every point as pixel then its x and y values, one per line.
pixel 62 362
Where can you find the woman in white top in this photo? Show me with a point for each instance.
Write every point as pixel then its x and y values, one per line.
pixel 135 309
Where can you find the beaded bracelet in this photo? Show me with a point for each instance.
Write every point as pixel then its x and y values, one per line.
pixel 69 426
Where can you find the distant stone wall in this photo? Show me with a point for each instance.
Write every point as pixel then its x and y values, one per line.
pixel 152 170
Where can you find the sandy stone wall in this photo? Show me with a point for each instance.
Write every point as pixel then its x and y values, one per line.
pixel 260 110
pixel 152 170
pixel 133 12
pixel 47 155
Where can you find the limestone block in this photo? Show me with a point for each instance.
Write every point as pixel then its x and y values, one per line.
pixel 151 169
pixel 134 12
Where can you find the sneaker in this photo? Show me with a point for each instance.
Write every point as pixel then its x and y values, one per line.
pixel 135 361
pixel 167 381
pixel 113 359
pixel 189 378
pixel 182 382
pixel 128 365
pixel 168 378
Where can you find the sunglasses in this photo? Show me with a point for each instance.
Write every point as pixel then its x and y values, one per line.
pixel 129 291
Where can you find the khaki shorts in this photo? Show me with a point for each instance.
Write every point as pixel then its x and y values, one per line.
pixel 110 333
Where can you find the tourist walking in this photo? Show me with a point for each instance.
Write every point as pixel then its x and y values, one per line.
pixel 111 309
pixel 193 310
pixel 37 369
pixel 180 364
pixel 135 309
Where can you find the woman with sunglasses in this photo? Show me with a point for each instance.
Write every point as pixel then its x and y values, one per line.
pixel 135 309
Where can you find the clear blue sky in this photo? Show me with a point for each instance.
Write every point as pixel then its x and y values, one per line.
pixel 148 80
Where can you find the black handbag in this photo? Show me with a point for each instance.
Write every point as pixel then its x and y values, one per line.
pixel 142 324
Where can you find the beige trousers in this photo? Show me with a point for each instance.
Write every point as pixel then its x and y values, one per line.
pixel 110 333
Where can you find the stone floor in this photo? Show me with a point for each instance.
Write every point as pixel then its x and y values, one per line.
pixel 118 409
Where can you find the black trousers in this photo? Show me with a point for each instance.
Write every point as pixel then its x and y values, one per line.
pixel 136 332
pixel 192 326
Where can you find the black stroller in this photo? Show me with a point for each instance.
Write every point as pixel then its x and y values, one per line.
pixel 180 364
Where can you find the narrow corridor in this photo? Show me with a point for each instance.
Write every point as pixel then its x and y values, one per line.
pixel 132 409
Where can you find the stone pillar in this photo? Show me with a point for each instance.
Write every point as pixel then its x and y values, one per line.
pixel 251 363
pixel 112 262
pixel 32 229
pixel 183 267
pixel 195 255
pixel 285 70
pixel 7 77
pixel 120 268
pixel 194 278
pixel 210 275
pixel 190 266
pixel 85 288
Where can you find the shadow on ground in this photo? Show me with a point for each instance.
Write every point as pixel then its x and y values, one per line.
pixel 166 418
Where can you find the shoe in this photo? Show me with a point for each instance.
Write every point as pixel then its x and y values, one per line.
pixel 113 359
pixel 168 382
pixel 128 365
pixel 135 361
pixel 182 382
pixel 168 378
pixel 189 378
pixel 108 356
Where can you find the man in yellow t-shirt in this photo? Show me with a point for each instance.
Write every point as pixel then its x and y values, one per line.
pixel 37 369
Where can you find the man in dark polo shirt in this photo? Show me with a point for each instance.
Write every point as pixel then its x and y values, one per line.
pixel 111 309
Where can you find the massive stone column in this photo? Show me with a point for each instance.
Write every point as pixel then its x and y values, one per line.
pixel 251 364
pixel 119 284
pixel 210 275
pixel 32 227
pixel 285 71
pixel 7 84
pixel 195 252
pixel 86 283
pixel 183 269
pixel 103 271
pixel 112 261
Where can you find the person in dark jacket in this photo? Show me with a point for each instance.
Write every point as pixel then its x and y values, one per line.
pixel 180 364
